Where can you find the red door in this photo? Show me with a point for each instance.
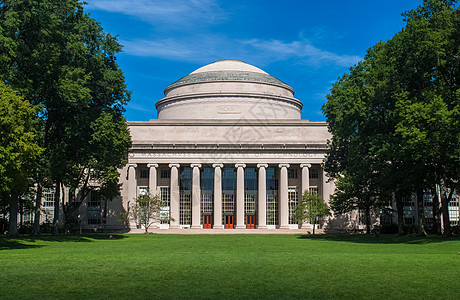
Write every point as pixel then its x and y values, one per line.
pixel 207 221
pixel 250 221
pixel 228 222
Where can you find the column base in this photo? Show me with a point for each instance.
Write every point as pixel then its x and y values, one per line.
pixel 195 227
pixel 240 227
pixel 261 226
pixel 284 226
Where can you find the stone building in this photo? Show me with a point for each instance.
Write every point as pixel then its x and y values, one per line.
pixel 229 150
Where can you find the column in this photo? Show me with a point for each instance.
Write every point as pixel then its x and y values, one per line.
pixel 305 187
pixel 217 195
pixel 152 179
pixel 240 195
pixel 262 198
pixel 132 184
pixel 196 196
pixel 174 194
pixel 283 196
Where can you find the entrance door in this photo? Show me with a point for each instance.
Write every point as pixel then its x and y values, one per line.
pixel 228 222
pixel 250 221
pixel 207 221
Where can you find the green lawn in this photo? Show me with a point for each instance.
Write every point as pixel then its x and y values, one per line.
pixel 229 267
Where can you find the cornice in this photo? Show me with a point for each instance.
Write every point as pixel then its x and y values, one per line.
pixel 237 122
pixel 190 97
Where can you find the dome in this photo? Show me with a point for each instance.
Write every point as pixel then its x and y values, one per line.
pixel 228 89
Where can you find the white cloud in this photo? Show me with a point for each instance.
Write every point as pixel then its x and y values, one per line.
pixel 203 48
pixel 163 12
pixel 302 49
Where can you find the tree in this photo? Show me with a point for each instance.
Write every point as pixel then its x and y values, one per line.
pixel 146 210
pixel 395 116
pixel 60 59
pixel 18 150
pixel 311 208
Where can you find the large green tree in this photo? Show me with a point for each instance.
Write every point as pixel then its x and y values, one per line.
pixel 395 116
pixel 60 59
pixel 18 150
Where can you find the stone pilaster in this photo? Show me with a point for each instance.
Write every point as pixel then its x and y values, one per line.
pixel 262 196
pixel 196 196
pixel 152 179
pixel 283 196
pixel 174 194
pixel 132 183
pixel 240 195
pixel 305 187
pixel 217 195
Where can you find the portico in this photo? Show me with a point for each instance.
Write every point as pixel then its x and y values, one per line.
pixel 228 150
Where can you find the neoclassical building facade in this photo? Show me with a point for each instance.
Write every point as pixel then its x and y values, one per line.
pixel 229 150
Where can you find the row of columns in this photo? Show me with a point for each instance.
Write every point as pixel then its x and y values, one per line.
pixel 196 192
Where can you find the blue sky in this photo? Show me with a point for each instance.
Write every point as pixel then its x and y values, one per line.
pixel 307 44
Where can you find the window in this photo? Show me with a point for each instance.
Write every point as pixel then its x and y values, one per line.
pixel 165 173
pixel 292 202
pixel 164 206
pixel 185 196
pixel 93 209
pixel 144 173
pixel 454 212
pixel 313 173
pixel 185 208
pixel 292 173
pixel 48 195
pixel 313 190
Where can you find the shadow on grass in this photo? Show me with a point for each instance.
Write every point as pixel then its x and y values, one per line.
pixel 382 239
pixel 28 242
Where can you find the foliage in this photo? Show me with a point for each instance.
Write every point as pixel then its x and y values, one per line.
pixel 311 208
pixel 146 210
pixel 60 59
pixel 395 116
pixel 18 147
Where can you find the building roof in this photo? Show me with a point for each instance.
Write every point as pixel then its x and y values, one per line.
pixel 228 70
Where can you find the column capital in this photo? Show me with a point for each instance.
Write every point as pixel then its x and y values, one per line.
pixel 132 165
pixel 262 165
pixel 174 165
pixel 284 165
pixel 305 165
pixel 195 166
pixel 217 165
pixel 240 165
pixel 152 165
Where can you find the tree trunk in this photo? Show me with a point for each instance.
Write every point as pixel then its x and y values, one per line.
pixel 38 203
pixel 57 198
pixel 436 211
pixel 13 226
pixel 447 232
pixel 421 213
pixel 400 209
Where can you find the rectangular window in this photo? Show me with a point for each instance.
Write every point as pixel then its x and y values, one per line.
pixel 292 173
pixel 314 190
pixel 165 205
pixel 165 173
pixel 185 208
pixel 313 173
pixel 293 200
pixel 144 173
pixel 272 208
pixel 93 209
pixel 48 196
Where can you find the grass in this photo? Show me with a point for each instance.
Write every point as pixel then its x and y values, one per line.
pixel 229 267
